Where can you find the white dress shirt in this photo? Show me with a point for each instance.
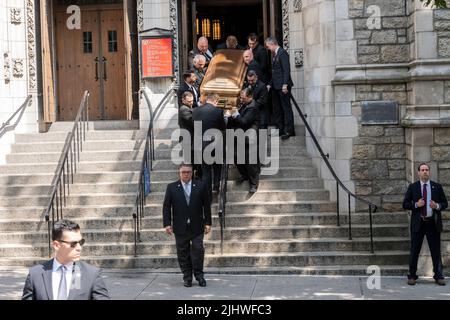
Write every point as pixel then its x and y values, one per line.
pixel 56 277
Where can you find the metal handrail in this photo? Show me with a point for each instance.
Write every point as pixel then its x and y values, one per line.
pixel 339 182
pixel 147 163
pixel 22 107
pixel 222 201
pixel 67 167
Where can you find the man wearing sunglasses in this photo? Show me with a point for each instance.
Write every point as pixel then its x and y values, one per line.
pixel 65 277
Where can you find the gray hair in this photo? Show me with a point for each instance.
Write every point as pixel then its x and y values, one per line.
pixel 198 58
pixel 272 40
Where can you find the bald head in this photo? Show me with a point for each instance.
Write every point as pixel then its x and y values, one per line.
pixel 202 44
pixel 248 56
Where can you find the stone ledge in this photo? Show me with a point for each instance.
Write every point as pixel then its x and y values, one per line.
pixel 433 69
pixel 422 116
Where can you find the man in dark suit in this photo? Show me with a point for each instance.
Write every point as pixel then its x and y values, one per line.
pixel 247 119
pixel 260 95
pixel 260 55
pixel 426 200
pixel 187 214
pixel 230 43
pixel 185 122
pixel 281 84
pixel 199 70
pixel 210 117
pixel 251 63
pixel 202 48
pixel 188 84
pixel 65 277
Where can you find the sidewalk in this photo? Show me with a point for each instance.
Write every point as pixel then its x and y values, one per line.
pixel 147 285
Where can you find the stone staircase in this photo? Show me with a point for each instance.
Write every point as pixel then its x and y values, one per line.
pixel 288 226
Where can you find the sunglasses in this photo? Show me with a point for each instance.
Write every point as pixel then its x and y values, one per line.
pixel 73 244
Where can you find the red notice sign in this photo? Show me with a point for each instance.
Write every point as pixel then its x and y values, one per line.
pixel 157 57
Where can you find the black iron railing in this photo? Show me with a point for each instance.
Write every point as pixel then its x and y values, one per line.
pixel 339 183
pixel 147 164
pixel 26 103
pixel 67 167
pixel 222 201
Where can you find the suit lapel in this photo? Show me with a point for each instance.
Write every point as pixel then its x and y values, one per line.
pixel 77 284
pixel 47 277
pixel 181 192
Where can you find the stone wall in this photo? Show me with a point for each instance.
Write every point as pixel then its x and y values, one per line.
pixel 442 28
pixel 16 22
pixel 384 39
pixel 378 163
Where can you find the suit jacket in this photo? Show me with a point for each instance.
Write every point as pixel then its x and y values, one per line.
pixel 185 119
pixel 182 89
pixel 210 116
pixel 38 285
pixel 248 118
pixel 260 95
pixel 200 75
pixel 254 65
pixel 281 70
pixel 176 211
pixel 260 54
pixel 195 52
pixel 413 194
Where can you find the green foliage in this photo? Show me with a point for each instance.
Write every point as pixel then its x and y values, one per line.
pixel 439 4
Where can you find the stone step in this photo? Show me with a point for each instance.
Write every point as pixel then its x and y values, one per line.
pixel 80 188
pixel 283 172
pixel 303 259
pixel 214 247
pixel 72 200
pixel 156 209
pixel 262 196
pixel 232 220
pixel 265 184
pixel 80 177
pixel 123 145
pixel 54 136
pixel 53 157
pixel 235 233
pixel 31 168
pixel 98 125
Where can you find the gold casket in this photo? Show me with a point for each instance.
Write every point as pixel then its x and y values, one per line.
pixel 225 76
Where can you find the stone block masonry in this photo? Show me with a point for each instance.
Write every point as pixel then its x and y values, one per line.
pixel 384 38
pixel 378 164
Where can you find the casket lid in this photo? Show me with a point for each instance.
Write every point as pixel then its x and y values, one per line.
pixel 226 73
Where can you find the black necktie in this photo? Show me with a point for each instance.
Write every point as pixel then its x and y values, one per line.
pixel 424 195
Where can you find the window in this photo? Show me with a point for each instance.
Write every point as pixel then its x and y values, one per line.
pixel 112 41
pixel 206 28
pixel 87 42
pixel 217 32
pixel 197 25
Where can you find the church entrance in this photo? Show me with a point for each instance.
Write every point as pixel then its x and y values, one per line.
pixel 218 19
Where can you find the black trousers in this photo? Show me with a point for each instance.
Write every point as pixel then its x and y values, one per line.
pixel 247 170
pixel 282 112
pixel 208 170
pixel 428 229
pixel 190 253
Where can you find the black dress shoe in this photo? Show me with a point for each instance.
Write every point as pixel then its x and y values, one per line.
pixel 285 136
pixel 253 189
pixel 440 282
pixel 202 282
pixel 187 283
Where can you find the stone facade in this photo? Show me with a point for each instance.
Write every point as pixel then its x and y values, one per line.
pixel 378 162
pixel 380 29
